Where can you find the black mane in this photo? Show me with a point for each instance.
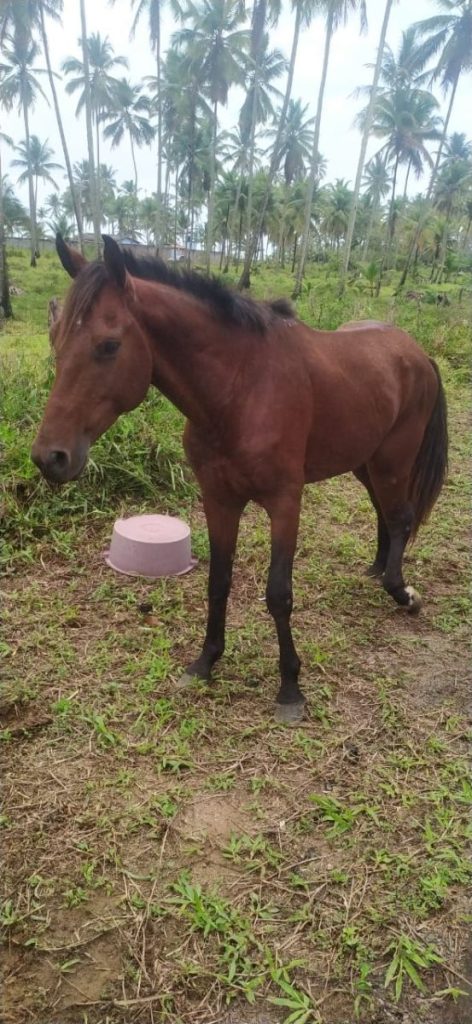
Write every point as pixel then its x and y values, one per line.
pixel 229 306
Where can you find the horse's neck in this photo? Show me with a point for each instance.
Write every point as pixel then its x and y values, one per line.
pixel 194 364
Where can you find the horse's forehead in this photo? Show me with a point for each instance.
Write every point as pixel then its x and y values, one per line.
pixel 104 314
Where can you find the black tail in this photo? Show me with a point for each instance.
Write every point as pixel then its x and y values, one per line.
pixel 430 469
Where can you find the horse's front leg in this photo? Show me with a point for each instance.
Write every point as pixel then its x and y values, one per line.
pixel 284 512
pixel 223 523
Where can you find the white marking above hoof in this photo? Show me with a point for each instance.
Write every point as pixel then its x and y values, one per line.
pixel 414 600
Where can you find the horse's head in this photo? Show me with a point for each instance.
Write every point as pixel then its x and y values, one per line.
pixel 103 361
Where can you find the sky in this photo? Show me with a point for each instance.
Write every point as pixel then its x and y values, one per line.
pixel 350 53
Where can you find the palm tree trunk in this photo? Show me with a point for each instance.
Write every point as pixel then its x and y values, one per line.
pixel 240 239
pixel 408 172
pixel 159 131
pixel 32 204
pixel 97 168
pixel 191 160
pixel 275 158
pixel 294 259
pixel 52 85
pixel 211 197
pixel 390 229
pixel 176 216
pixel 314 159
pixel 245 279
pixel 88 120
pixel 443 251
pixel 167 187
pixel 432 182
pixel 133 157
pixel 373 214
pixel 234 216
pixel 465 237
pixel 364 142
pixel 5 301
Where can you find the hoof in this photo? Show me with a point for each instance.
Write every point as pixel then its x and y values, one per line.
pixel 290 714
pixel 414 601
pixel 187 680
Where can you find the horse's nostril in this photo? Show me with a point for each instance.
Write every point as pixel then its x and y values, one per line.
pixel 58 459
pixel 53 463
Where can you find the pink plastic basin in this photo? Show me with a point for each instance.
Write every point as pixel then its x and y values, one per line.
pixel 150 546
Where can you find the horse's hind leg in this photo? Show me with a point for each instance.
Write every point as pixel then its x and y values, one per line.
pixel 383 537
pixel 392 493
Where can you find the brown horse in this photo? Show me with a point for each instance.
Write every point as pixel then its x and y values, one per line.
pixel 271 405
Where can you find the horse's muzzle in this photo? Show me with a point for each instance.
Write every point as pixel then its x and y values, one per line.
pixel 58 465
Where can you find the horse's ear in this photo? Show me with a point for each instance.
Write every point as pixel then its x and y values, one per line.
pixel 114 261
pixel 71 259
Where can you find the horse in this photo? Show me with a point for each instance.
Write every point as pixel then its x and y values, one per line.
pixel 270 405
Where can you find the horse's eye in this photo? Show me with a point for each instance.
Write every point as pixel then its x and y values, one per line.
pixel 107 348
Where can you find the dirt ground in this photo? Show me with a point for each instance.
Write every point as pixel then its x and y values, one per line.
pixel 178 857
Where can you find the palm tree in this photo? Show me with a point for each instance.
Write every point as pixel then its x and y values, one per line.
pixel 407 120
pixel 449 37
pixel 468 212
pixel 89 126
pixel 457 147
pixel 53 8
pixel 184 110
pixel 102 84
pixel 264 12
pixel 256 109
pixel 337 12
pixel 125 114
pixel 19 85
pixel 36 156
pixel 377 186
pixel 259 102
pixel 5 301
pixel 15 217
pixel 364 142
pixel 215 46
pixel 294 145
pixel 455 175
pixel 53 205
pixel 83 190
pixel 153 9
pixel 338 196
pixel 20 17
pixel 304 14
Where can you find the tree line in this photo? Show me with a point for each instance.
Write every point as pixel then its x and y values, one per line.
pixel 260 188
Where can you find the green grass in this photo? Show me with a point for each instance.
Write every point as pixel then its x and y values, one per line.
pixel 179 854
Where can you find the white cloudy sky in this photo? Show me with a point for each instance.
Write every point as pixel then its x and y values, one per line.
pixel 350 53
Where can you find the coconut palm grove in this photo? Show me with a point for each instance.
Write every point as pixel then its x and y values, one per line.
pixel 176 854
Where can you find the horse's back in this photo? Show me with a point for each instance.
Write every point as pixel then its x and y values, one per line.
pixel 359 325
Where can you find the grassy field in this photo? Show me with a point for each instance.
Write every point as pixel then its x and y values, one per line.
pixel 179 858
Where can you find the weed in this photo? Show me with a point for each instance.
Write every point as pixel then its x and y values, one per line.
pixel 409 957
pixel 255 852
pixel 75 896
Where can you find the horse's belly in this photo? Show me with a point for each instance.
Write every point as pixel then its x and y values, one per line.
pixel 341 452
